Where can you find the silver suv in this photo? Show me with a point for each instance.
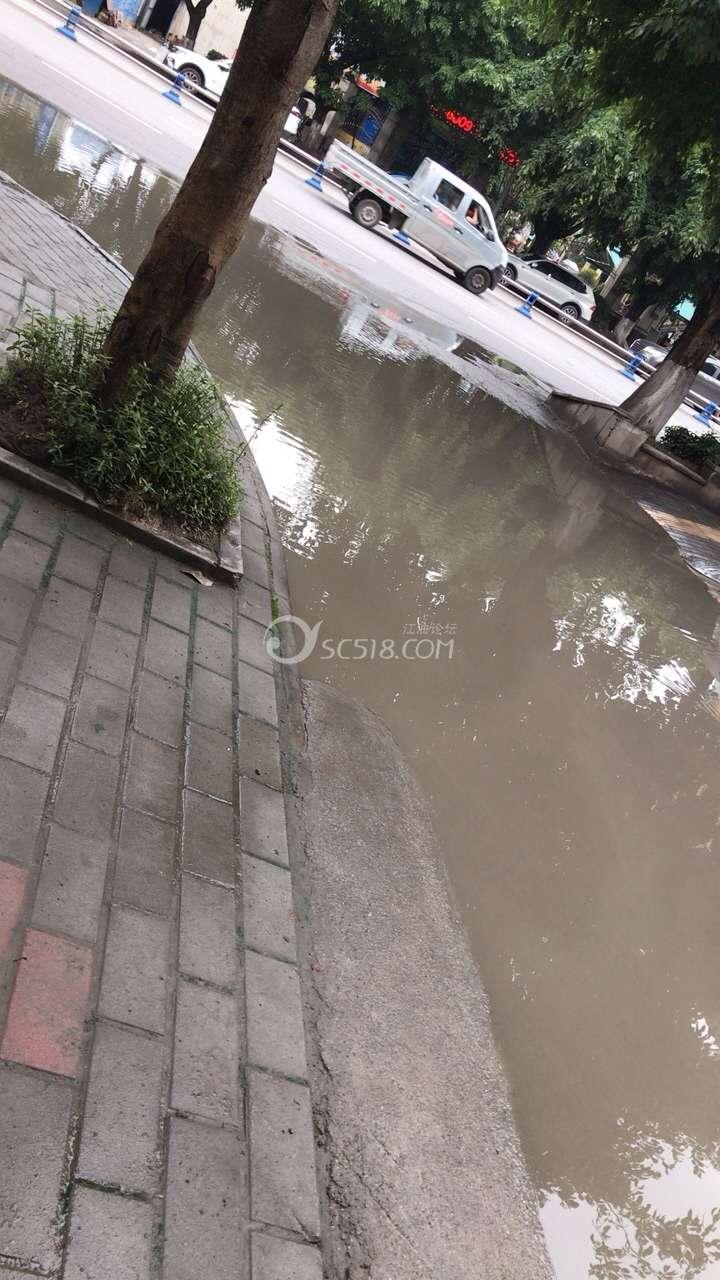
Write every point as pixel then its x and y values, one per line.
pixel 559 282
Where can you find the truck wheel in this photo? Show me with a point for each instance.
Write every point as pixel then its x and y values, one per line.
pixel 477 280
pixel 367 212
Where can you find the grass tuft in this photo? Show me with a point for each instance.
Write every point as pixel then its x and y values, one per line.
pixel 162 450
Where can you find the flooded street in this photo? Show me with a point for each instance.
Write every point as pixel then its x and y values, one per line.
pixel 546 659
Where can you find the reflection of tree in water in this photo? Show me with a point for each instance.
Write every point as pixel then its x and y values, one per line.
pixel 630 1238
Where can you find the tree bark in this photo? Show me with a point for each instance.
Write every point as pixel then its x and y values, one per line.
pixel 548 228
pixel 653 403
pixel 279 48
pixel 196 14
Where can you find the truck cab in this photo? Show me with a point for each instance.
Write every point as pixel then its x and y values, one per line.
pixel 454 221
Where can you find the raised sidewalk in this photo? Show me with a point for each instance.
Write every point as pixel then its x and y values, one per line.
pixel 155 1116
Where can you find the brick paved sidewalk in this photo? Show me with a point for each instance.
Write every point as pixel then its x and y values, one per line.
pixel 155 1117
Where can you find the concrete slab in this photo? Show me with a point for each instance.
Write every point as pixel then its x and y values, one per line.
pixel 423 1163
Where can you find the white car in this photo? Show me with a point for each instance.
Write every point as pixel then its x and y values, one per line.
pixel 559 282
pixel 211 74
pixel 206 73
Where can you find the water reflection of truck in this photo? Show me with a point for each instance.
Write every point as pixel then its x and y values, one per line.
pixel 434 208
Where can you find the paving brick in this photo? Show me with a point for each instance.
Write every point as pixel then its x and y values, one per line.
pixel 16 602
pixel 8 653
pixel 208 838
pixel 91 529
pixel 34 1119
pixel 51 661
pixel 173 570
pixel 282 1154
pixel 171 604
pixel 213 647
pixel 79 561
pixel 22 799
pixel 262 822
pixel 211 700
pixel 110 1237
pixel 66 607
pixel 253 538
pixel 12 889
pixel 101 716
pixel 134 978
pixel 275 1259
pixel 130 563
pixel 274 1016
pixel 256 693
pixel 254 602
pixel 31 729
pixel 120 1136
pixel 205 1066
pixel 207 932
pixel 259 751
pixel 86 796
pixel 216 604
pixel 206 1195
pixel 70 888
pixel 122 604
pixel 166 652
pixel 40 518
pixel 144 867
pixel 112 655
pixel 23 559
pixel 160 709
pixel 45 1022
pixel 255 567
pixel 267 908
pixel 210 762
pixel 153 779
pixel 251 644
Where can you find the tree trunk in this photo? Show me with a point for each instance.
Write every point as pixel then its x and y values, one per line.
pixel 548 227
pixel 654 403
pixel 279 48
pixel 196 13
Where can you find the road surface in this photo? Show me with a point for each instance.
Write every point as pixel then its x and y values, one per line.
pixel 124 101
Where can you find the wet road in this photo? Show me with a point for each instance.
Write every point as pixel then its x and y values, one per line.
pixel 121 100
pixel 569 745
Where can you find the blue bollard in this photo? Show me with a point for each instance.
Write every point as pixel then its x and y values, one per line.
pixel 631 367
pixel 402 237
pixel 173 93
pixel 705 415
pixel 525 308
pixel 69 25
pixel 315 179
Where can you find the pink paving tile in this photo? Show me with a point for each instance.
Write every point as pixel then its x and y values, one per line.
pixel 45 1023
pixel 12 887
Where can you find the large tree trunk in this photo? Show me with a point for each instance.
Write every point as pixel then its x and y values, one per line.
pixel 279 48
pixel 654 403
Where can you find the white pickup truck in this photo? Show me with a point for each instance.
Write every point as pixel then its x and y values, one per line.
pixel 435 208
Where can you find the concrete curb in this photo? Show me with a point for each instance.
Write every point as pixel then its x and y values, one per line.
pixel 226 566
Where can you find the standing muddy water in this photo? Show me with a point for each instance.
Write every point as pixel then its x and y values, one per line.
pixel 565 726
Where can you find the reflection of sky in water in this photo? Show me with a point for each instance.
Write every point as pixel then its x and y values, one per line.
pixel 673 1229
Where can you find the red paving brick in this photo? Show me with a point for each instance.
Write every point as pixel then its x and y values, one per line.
pixel 45 1023
pixel 12 887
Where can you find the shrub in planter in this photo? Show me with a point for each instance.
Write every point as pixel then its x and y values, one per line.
pixel 701 452
pixel 162 450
